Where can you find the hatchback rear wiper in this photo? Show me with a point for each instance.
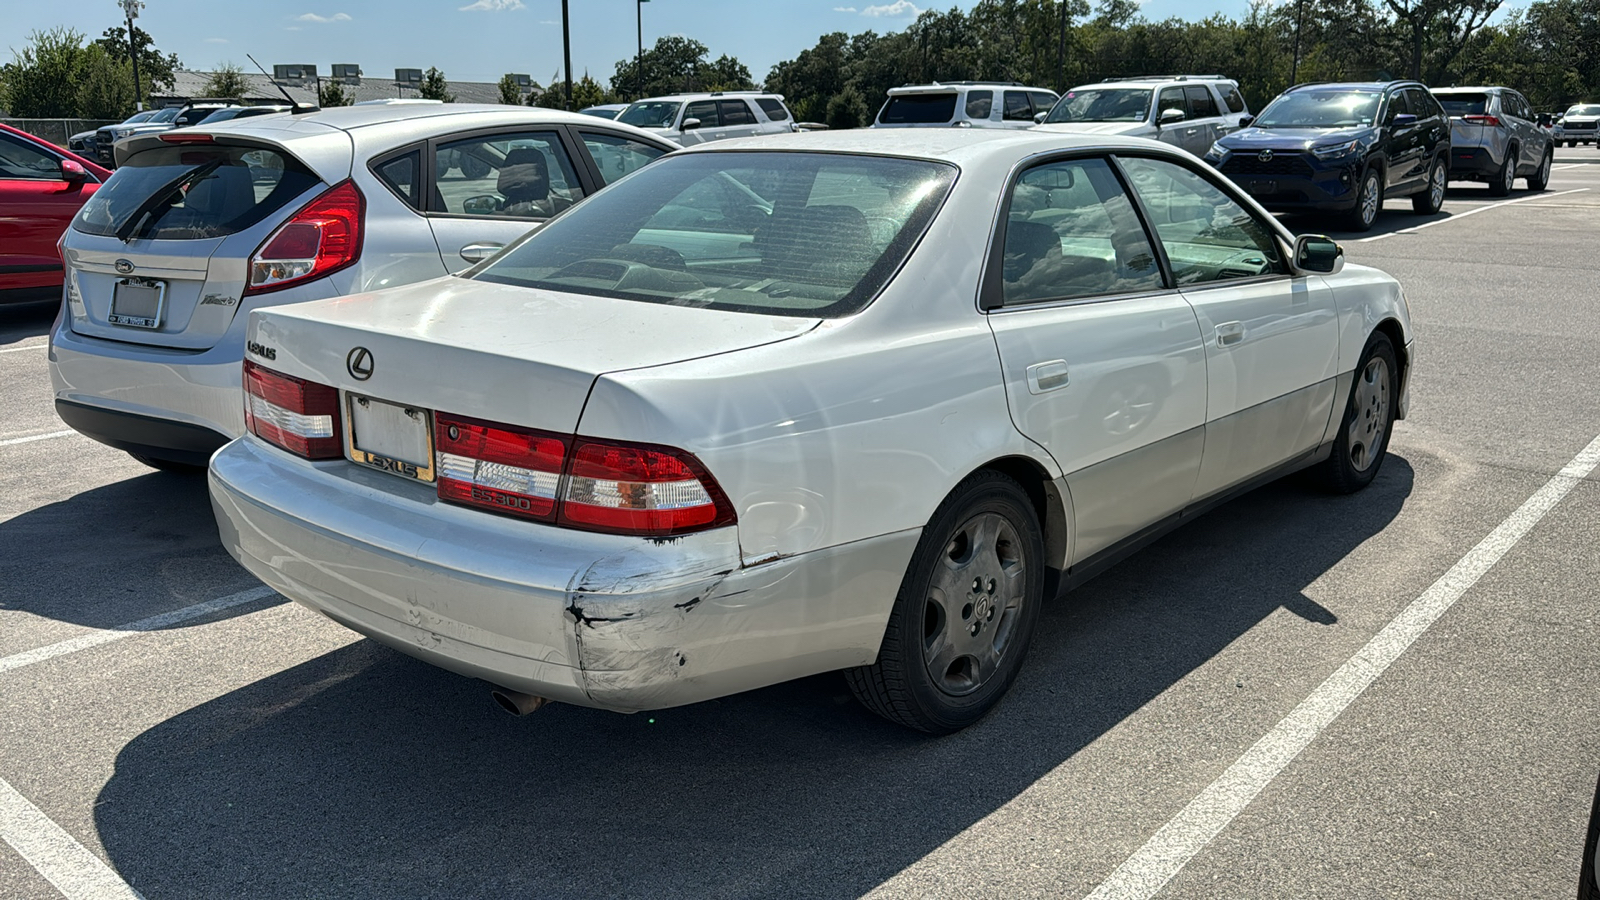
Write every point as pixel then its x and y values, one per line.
pixel 162 195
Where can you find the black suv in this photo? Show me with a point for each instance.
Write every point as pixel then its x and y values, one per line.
pixel 1342 148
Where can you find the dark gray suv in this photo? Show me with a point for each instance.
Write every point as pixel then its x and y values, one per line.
pixel 1495 138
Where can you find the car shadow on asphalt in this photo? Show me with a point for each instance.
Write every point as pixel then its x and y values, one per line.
pixel 119 553
pixel 21 321
pixel 366 773
pixel 1397 215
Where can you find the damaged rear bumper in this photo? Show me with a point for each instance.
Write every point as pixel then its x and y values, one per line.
pixel 614 622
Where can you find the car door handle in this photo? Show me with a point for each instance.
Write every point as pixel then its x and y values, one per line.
pixel 1047 376
pixel 1230 333
pixel 479 252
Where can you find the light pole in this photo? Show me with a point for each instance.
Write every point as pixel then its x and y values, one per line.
pixel 566 50
pixel 638 61
pixel 1294 67
pixel 132 7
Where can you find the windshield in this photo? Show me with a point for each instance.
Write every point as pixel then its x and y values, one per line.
pixel 918 109
pixel 1102 105
pixel 193 192
pixel 1463 104
pixel 165 115
pixel 138 117
pixel 1320 109
pixel 1587 110
pixel 788 234
pixel 651 114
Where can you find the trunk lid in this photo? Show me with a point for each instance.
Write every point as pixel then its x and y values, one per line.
pixel 513 355
pixel 1466 134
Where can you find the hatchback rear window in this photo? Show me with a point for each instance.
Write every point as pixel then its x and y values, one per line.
pixel 918 109
pixel 1463 104
pixel 191 192
pixel 794 234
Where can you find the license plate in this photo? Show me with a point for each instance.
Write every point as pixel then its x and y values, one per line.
pixel 138 304
pixel 389 436
pixel 1262 187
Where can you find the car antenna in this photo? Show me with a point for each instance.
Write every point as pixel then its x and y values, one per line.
pixel 294 105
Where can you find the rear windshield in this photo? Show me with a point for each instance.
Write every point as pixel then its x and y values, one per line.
pixel 190 192
pixel 651 114
pixel 1320 109
pixel 789 234
pixel 918 109
pixel 1102 105
pixel 1463 104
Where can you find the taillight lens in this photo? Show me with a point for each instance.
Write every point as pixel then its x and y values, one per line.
pixel 322 238
pixel 636 489
pixel 1491 121
pixel 298 415
pixel 515 471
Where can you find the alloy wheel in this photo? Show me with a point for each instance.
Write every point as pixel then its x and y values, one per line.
pixel 1436 187
pixel 1370 414
pixel 1369 199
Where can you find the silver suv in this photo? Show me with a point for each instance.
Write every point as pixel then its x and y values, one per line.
pixel 1188 111
pixel 1495 138
pixel 964 104
pixel 689 119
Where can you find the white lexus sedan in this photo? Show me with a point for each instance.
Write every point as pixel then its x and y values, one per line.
pixel 856 400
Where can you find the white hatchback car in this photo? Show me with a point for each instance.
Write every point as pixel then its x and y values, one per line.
pixel 1188 111
pixel 677 444
pixel 200 226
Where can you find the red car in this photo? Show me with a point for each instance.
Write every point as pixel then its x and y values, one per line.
pixel 41 188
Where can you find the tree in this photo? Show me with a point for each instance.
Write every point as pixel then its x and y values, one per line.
pixel 331 94
pixel 105 85
pixel 227 82
pixel 154 68
pixel 510 91
pixel 41 82
pixel 434 87
pixel 1451 22
pixel 678 65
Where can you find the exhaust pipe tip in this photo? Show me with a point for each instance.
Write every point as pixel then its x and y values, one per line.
pixel 516 702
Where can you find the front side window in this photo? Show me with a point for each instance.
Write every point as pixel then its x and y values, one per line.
pixel 525 175
pixel 1171 98
pixel 651 114
pixel 979 104
pixel 1072 233
pixel 797 234
pixel 705 111
pixel 193 192
pixel 1102 105
pixel 616 155
pixel 1312 108
pixel 21 161
pixel 1399 105
pixel 918 109
pixel 1207 236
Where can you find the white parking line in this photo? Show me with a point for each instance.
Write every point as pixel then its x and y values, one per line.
pixel 1568 166
pixel 76 873
pixel 153 623
pixel 1149 869
pixel 1458 216
pixel 24 347
pixel 8 442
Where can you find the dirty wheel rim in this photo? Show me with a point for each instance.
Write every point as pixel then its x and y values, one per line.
pixel 974 604
pixel 1511 175
pixel 1369 415
pixel 1436 186
pixel 1544 169
pixel 1369 200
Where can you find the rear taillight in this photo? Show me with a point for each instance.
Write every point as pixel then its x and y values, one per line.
pixel 604 486
pixel 298 415
pixel 630 489
pixel 181 137
pixel 322 238
pixel 510 470
pixel 1491 121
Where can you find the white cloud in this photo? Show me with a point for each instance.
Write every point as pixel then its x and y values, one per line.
pixel 848 9
pixel 892 10
pixel 492 6
pixel 216 40
pixel 323 20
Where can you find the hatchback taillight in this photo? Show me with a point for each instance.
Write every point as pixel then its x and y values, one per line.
pixel 322 238
pixel 605 486
pixel 298 415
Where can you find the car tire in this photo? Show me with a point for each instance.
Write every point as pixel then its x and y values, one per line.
pixel 168 465
pixel 965 611
pixel 1431 199
pixel 1540 179
pixel 1363 439
pixel 1506 178
pixel 1369 200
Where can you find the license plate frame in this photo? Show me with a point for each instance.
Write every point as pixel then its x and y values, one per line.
pixel 379 419
pixel 135 291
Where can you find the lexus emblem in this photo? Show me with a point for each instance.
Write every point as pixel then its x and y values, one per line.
pixel 359 362
pixel 1264 156
pixel 123 267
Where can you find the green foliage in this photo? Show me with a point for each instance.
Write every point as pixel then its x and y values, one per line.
pixel 105 85
pixel 41 82
pixel 510 91
pixel 677 65
pixel 434 86
pixel 154 68
pixel 332 94
pixel 227 81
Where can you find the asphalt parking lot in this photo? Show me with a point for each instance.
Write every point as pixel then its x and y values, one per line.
pixel 250 748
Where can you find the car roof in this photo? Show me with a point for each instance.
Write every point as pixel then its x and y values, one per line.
pixel 1146 83
pixel 940 87
pixel 1358 85
pixel 708 95
pixel 1479 90
pixel 962 146
pixel 353 118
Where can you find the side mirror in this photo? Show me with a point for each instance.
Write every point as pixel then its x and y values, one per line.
pixel 1316 254
pixel 73 173
pixel 1246 121
pixel 1169 116
pixel 481 205
pixel 1039 117
pixel 689 124
pixel 1403 120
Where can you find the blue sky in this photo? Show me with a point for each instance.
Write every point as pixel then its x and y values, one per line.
pixel 480 40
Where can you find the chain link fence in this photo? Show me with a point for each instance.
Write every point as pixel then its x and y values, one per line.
pixel 57 131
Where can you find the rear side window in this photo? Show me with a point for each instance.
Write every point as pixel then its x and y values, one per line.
pixel 1201 106
pixel 192 192
pixel 774 109
pixel 1464 104
pixel 1231 97
pixel 919 109
pixel 735 112
pixel 979 104
pixel 1018 107
pixel 403 175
